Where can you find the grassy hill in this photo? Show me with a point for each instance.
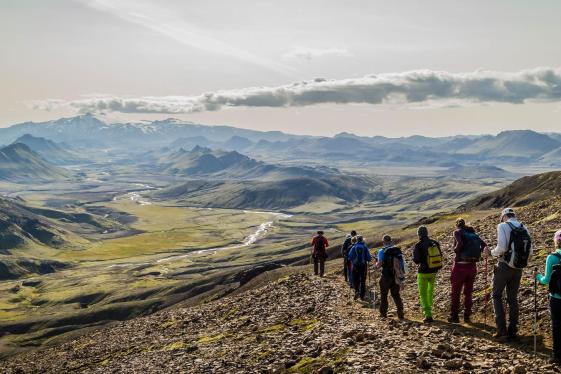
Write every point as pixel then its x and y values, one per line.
pixel 270 195
pixel 19 163
pixel 521 192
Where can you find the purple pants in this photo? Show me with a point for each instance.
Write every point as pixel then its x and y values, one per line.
pixel 463 276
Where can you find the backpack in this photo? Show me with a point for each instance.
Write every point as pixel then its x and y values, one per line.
pixel 471 250
pixel 360 252
pixel 555 280
pixel 346 248
pixel 434 256
pixel 519 247
pixel 319 247
pixel 391 266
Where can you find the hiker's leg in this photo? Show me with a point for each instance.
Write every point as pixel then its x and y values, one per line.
pixel 351 279
pixel 316 260
pixel 383 297
pixel 422 283
pixel 555 309
pixel 321 266
pixel 500 278
pixel 356 280
pixel 431 281
pixel 512 288
pixel 456 289
pixel 394 289
pixel 363 282
pixel 469 280
pixel 345 269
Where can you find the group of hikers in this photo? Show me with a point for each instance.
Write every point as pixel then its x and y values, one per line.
pixel 514 249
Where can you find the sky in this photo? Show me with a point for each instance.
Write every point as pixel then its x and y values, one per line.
pixel 318 67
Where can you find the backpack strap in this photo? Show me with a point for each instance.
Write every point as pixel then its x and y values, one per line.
pixel 557 255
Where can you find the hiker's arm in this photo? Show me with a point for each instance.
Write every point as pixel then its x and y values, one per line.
pixel 458 242
pixel 416 254
pixel 502 242
pixel 544 279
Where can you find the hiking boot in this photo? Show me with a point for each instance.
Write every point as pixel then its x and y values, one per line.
pixel 555 361
pixel 500 334
pixel 454 319
pixel 467 319
pixel 356 295
pixel 513 337
pixel 401 318
pixel 383 317
pixel 428 320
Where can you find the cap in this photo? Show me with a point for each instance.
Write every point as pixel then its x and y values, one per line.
pixel 557 236
pixel 507 211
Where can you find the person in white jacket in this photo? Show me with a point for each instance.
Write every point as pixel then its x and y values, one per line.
pixel 507 275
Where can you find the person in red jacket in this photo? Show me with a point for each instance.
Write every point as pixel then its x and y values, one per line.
pixel 319 253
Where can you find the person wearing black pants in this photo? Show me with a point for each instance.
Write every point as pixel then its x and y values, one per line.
pixel 360 256
pixel 555 308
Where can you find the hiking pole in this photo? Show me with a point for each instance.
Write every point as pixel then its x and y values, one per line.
pixel 486 298
pixel 535 310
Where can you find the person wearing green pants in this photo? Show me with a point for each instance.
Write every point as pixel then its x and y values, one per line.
pixel 428 256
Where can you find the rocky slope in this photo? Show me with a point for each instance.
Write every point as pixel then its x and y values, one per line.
pixel 300 323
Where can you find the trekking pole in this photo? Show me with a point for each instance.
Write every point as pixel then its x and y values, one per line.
pixel 486 298
pixel 535 310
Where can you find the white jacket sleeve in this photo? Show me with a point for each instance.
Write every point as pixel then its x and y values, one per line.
pixel 502 242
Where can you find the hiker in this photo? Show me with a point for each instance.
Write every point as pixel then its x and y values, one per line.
pixel 319 254
pixel 552 277
pixel 360 257
pixel 345 248
pixel 514 248
pixel 428 256
pixel 468 247
pixel 392 280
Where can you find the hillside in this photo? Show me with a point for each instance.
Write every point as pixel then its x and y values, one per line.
pixel 512 144
pixel 201 161
pixel 19 163
pixel 49 150
pixel 270 195
pixel 521 192
pixel 299 324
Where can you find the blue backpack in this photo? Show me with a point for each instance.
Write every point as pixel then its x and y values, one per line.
pixel 360 252
pixel 471 251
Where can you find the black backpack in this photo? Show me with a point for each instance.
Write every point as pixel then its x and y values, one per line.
pixel 319 247
pixel 519 247
pixel 390 254
pixel 555 280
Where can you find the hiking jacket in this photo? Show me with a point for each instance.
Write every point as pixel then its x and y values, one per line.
pixel 353 254
pixel 503 238
pixel 345 248
pixel 551 261
pixel 420 255
pixel 315 240
pixel 459 241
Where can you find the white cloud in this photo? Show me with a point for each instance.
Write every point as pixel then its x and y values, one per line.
pixel 413 88
pixel 303 53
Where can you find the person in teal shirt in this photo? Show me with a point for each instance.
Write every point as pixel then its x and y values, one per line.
pixel 554 299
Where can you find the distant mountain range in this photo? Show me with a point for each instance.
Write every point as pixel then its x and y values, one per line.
pixel 89 132
pixel 201 161
pixel 49 150
pixel 19 163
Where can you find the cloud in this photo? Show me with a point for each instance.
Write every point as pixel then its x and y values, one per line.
pixel 413 88
pixel 303 53
pixel 155 18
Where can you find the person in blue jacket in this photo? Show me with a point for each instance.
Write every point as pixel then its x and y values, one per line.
pixel 360 257
pixel 553 260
